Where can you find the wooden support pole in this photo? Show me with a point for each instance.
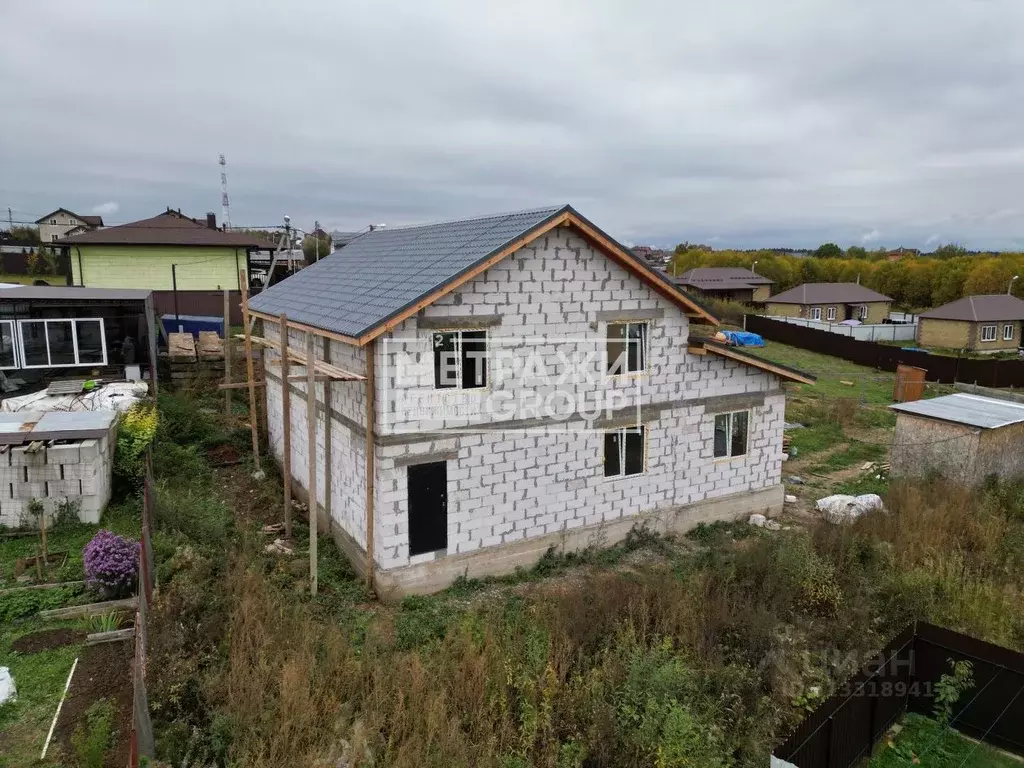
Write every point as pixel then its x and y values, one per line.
pixel 249 372
pixel 311 453
pixel 286 410
pixel 227 352
pixel 327 432
pixel 370 471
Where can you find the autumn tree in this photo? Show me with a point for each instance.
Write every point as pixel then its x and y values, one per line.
pixel 828 251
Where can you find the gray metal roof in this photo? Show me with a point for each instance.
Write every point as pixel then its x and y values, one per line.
pixel 991 308
pixel 827 293
pixel 972 410
pixel 379 274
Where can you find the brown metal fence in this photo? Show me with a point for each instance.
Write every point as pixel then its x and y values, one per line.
pixel 210 303
pixel 940 368
pixel 142 727
pixel 845 729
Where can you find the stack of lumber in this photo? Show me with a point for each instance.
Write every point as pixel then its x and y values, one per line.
pixel 181 346
pixel 211 346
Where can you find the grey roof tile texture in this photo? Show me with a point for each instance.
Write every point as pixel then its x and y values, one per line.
pixel 378 274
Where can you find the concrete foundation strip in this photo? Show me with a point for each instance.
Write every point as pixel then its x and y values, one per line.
pixel 56 714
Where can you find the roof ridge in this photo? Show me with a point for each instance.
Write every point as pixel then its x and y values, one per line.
pixel 505 215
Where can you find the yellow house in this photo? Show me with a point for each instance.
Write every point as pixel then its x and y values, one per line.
pixel 830 303
pixel 186 263
pixel 978 323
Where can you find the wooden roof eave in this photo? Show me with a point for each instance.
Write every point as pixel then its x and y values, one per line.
pixel 790 374
pixel 299 358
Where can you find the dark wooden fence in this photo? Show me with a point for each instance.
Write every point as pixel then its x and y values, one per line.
pixel 943 369
pixel 845 729
pixel 209 303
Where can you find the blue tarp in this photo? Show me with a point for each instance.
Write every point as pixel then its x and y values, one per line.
pixel 193 324
pixel 743 339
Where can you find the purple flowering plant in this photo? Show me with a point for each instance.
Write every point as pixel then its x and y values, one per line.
pixel 111 564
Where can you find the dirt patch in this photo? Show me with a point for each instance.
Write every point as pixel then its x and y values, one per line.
pixel 104 671
pixel 46 639
pixel 223 456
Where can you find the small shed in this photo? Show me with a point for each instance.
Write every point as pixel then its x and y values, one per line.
pixel 54 332
pixel 962 437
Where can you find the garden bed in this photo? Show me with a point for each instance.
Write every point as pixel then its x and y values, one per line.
pixel 45 639
pixel 919 740
pixel 104 673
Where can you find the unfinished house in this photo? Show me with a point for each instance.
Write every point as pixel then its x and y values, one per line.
pixel 529 383
pixel 964 438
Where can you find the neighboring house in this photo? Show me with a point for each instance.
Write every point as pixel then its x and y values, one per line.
pixel 168 253
pixel 725 283
pixel 978 323
pixel 62 222
pixel 70 332
pixel 830 302
pixel 964 438
pixel 484 344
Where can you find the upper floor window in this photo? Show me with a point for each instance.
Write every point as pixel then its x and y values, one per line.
pixel 831 314
pixel 1008 332
pixel 815 313
pixel 460 359
pixel 624 451
pixel 988 333
pixel 53 221
pixel 731 434
pixel 626 348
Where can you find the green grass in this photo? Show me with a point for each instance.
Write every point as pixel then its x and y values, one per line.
pixel 869 385
pixel 31 279
pixel 924 742
pixel 856 453
pixel 40 679
pixel 812 439
pixel 123 519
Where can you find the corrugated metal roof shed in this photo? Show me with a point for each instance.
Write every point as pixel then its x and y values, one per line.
pixel 972 410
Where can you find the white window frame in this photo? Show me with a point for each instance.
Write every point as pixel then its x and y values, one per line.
pixel 729 416
pixel 830 314
pixel 815 313
pixel 457 332
pixel 1008 332
pixel 644 347
pixel 16 346
pixel 862 312
pixel 622 432
pixel 74 338
pixel 988 332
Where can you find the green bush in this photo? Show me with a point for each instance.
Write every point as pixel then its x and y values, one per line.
pixel 134 435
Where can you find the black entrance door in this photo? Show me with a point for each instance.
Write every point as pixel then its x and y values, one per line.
pixel 428 507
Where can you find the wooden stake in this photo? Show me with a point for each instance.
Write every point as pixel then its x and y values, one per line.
pixel 327 432
pixel 42 530
pixel 370 416
pixel 311 423
pixel 227 351
pixel 286 408
pixel 249 372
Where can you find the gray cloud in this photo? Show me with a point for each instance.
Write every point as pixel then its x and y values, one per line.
pixel 786 123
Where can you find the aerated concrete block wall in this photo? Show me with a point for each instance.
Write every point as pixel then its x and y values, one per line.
pixel 78 472
pixel 507 489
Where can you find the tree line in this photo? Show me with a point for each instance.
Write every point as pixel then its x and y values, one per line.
pixel 914 282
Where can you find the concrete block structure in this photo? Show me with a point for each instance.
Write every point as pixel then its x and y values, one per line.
pixel 484 343
pixel 77 472
pixel 964 438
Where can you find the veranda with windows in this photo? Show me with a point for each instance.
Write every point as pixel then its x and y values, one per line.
pixel 49 333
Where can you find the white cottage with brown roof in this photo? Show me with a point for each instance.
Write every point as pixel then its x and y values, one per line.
pixel 529 383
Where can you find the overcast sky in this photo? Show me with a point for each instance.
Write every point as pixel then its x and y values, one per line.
pixel 739 122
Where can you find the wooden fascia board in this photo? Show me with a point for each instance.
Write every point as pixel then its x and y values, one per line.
pixel 650 277
pixel 307 328
pixel 764 365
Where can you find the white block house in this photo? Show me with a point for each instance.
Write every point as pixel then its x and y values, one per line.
pixel 535 385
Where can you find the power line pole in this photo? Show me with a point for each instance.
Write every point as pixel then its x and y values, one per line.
pixel 316 238
pixel 10 219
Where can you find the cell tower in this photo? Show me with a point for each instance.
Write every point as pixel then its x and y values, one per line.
pixel 225 207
